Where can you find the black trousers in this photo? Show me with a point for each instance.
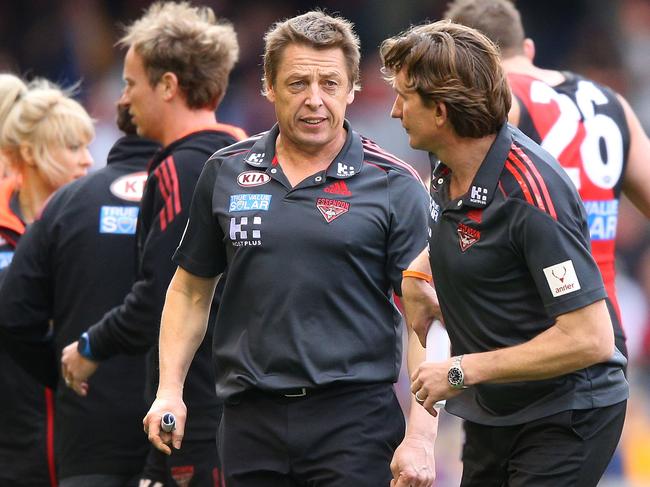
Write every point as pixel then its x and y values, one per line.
pixel 196 464
pixel 338 436
pixel 568 449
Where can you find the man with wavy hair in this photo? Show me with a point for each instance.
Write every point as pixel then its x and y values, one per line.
pixel 534 372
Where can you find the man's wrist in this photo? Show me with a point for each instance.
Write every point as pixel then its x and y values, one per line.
pixel 417 275
pixel 83 347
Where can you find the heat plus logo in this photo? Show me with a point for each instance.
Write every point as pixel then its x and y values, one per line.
pixel 246 231
pixel 562 278
pixel 478 195
pixel 343 170
pixel 255 158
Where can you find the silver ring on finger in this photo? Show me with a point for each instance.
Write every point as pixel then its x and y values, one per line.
pixel 418 398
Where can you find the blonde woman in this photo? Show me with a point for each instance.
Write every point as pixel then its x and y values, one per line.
pixel 44 137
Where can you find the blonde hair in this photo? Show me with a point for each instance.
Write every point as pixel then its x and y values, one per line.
pixel 44 117
pixel 189 42
pixel 11 89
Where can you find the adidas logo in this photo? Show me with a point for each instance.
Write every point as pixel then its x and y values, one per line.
pixel 339 187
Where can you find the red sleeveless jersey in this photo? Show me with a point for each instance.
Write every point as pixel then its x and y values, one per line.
pixel 583 125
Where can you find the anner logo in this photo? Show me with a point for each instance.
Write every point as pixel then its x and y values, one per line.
pixel 467 236
pixel 332 209
pixel 248 179
pixel 562 278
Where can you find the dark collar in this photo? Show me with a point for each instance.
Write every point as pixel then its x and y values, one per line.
pixel 347 163
pixel 485 182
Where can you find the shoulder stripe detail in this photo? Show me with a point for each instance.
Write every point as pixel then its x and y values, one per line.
pixel 169 189
pixel 375 165
pixel 373 149
pixel 520 181
pixel 542 183
pixel 503 191
pixel 532 184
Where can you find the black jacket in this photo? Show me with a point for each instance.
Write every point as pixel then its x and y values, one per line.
pixel 133 326
pixel 73 265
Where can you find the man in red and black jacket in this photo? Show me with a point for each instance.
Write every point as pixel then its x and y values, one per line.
pixel 172 98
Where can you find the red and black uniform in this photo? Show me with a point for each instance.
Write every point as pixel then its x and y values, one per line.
pixel 74 263
pixel 583 125
pixel 133 326
pixel 27 408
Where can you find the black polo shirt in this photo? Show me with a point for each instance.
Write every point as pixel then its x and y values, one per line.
pixel 311 269
pixel 508 257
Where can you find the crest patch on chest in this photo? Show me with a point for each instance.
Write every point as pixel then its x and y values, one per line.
pixel 331 209
pixel 467 236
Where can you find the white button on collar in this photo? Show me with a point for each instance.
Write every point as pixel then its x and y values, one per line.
pixel 440 180
pixel 318 179
pixel 274 170
pixel 460 203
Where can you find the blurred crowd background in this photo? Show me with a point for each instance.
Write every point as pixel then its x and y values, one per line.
pixel 73 41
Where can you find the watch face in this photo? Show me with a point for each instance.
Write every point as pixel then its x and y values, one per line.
pixel 455 377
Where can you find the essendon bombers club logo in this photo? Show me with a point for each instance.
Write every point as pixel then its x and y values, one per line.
pixel 467 236
pixel 332 209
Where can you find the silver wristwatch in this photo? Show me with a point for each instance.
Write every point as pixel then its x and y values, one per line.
pixel 455 376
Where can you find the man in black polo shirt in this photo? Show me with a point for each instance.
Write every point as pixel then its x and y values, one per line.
pixel 316 225
pixel 534 371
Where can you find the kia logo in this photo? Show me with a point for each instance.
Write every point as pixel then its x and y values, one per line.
pixel 129 187
pixel 252 178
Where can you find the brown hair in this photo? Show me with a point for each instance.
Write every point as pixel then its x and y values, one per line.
pixel 497 19
pixel 189 42
pixel 314 29
pixel 455 65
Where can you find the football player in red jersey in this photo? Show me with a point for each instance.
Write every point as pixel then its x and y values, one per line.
pixel 589 128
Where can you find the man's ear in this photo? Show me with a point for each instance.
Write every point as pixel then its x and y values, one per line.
pixel 269 91
pixel 169 85
pixel 440 114
pixel 350 98
pixel 529 49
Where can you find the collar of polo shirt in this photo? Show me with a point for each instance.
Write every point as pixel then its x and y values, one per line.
pixel 484 185
pixel 346 164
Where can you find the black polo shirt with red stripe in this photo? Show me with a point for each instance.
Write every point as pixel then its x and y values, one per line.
pixel 508 257
pixel 307 299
